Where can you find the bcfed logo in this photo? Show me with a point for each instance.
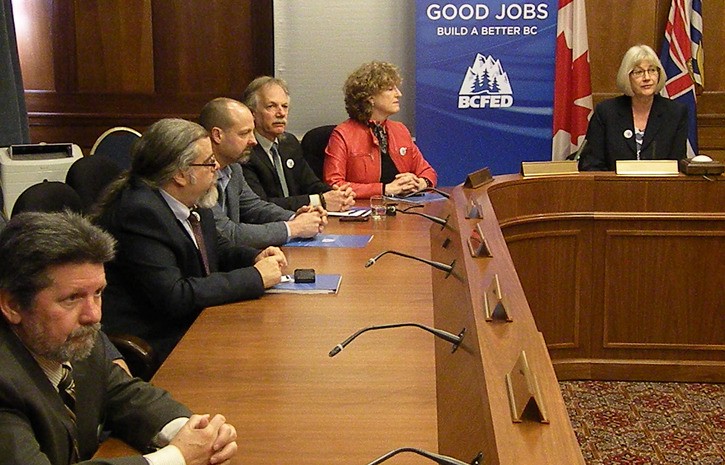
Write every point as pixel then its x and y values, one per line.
pixel 486 85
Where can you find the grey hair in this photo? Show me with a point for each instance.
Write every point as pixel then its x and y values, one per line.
pixel 34 242
pixel 250 97
pixel 633 58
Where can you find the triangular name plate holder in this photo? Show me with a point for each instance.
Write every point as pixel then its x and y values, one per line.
pixel 647 168
pixel 477 244
pixel 495 303
pixel 478 178
pixel 474 212
pixel 524 394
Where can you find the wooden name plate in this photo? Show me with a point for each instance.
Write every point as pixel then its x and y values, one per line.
pixel 549 168
pixel 524 394
pixel 478 178
pixel 647 168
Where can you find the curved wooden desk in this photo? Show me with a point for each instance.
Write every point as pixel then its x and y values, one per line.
pixel 623 276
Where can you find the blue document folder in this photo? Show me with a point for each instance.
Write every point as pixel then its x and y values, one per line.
pixel 324 284
pixel 354 241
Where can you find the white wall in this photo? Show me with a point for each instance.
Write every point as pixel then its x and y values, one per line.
pixel 318 43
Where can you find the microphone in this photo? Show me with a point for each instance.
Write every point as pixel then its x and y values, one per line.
pixel 577 154
pixel 437 191
pixel 435 219
pixel 438 265
pixel 437 458
pixel 445 335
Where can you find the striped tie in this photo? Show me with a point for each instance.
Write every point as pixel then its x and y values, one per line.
pixel 67 391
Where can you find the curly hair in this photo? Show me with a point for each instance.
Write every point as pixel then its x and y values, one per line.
pixel 365 82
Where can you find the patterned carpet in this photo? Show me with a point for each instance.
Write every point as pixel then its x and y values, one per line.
pixel 647 423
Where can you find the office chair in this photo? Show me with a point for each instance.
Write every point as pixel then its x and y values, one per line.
pixel 313 144
pixel 89 176
pixel 138 354
pixel 48 196
pixel 116 144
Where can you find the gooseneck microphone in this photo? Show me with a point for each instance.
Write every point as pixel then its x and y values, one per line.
pixel 435 219
pixel 438 265
pixel 437 458
pixel 437 191
pixel 445 335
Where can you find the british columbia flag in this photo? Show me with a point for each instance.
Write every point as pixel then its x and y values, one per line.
pixel 682 59
pixel 572 81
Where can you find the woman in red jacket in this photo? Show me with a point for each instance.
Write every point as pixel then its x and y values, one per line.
pixel 369 151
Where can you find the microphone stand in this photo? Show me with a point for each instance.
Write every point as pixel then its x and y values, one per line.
pixel 445 335
pixel 440 266
pixel 435 219
pixel 438 458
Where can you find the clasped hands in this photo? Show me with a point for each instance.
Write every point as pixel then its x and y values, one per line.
pixel 405 184
pixel 340 198
pixel 206 441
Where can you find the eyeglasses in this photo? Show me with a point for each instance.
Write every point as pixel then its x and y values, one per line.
pixel 639 73
pixel 209 162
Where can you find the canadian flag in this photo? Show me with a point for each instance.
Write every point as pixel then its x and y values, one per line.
pixel 572 82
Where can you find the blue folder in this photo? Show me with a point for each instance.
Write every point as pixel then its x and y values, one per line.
pixel 354 241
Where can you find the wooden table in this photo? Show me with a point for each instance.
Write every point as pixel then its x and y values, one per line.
pixel 264 363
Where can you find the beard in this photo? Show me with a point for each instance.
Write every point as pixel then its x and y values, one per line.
pixel 209 199
pixel 77 346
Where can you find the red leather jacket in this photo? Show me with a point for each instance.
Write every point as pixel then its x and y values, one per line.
pixel 353 155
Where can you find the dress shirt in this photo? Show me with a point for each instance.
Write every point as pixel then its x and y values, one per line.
pixel 181 212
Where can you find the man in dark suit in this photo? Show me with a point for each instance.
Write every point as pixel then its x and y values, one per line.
pixel 171 261
pixel 240 215
pixel 58 389
pixel 277 170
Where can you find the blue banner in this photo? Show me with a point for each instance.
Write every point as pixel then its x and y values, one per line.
pixel 484 84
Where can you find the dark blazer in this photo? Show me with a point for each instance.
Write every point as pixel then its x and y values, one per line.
pixel 665 136
pixel 156 284
pixel 35 427
pixel 246 219
pixel 301 180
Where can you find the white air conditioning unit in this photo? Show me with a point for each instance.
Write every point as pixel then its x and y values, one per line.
pixel 21 166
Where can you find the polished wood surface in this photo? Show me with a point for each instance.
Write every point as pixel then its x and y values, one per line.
pixel 474 412
pixel 264 363
pixel 624 275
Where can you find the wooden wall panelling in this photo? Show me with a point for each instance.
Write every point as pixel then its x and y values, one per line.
pixel 114 48
pixel 34 28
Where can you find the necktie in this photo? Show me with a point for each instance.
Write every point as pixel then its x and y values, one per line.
pixel 67 391
pixel 280 170
pixel 196 229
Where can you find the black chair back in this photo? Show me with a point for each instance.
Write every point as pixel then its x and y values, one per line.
pixel 116 144
pixel 48 196
pixel 89 176
pixel 313 144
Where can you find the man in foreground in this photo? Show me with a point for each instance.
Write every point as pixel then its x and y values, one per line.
pixel 58 390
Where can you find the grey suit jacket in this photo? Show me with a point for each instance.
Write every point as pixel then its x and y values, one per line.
pixel 35 427
pixel 246 219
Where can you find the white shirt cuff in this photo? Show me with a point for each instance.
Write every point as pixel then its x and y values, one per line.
pixel 315 200
pixel 169 455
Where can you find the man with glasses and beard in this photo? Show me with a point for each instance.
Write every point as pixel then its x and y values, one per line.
pixel 58 389
pixel 171 261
